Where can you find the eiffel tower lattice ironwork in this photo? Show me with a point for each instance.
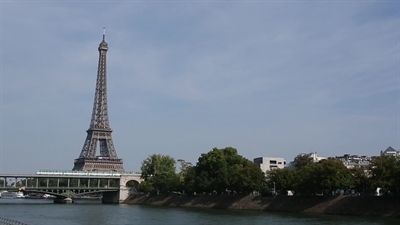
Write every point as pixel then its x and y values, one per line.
pixel 99 132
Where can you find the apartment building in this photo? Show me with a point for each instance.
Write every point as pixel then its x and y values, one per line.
pixel 269 163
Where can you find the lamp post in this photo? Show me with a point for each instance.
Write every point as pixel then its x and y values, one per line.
pixel 340 183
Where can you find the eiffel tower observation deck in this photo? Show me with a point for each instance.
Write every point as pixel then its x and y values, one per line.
pixel 99 132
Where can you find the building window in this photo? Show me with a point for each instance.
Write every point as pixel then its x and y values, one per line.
pixel 258 161
pixel 272 162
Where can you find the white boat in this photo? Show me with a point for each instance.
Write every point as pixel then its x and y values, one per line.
pixel 7 195
pixel 20 194
pixel 48 196
pixel 11 195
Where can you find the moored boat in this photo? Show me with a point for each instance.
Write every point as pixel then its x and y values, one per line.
pixel 11 195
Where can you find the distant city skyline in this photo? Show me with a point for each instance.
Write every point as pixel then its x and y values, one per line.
pixel 268 78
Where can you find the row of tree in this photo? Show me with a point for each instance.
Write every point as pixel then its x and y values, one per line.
pixel 225 171
pixel 218 171
pixel 331 176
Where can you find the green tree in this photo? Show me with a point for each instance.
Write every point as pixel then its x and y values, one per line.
pixel 224 169
pixel 189 178
pixel 385 173
pixel 324 177
pixel 245 177
pixel 212 172
pixel 331 175
pixel 282 179
pixel 362 183
pixel 159 171
pixel 185 167
pixel 145 186
pixel 304 182
pixel 302 160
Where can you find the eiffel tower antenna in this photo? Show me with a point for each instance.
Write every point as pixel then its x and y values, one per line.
pixel 99 131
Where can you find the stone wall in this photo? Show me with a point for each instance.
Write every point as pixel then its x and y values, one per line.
pixel 344 205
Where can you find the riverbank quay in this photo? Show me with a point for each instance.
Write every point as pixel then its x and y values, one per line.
pixel 383 206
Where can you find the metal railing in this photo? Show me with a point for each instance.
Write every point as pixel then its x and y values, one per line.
pixel 84 172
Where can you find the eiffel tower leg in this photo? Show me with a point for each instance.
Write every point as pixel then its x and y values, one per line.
pixel 89 147
pixel 110 144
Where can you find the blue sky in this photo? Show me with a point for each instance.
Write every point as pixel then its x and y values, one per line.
pixel 270 78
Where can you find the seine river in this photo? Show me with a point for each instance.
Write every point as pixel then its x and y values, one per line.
pixel 42 212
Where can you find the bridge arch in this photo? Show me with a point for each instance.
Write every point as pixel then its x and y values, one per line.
pixel 129 184
pixel 133 185
pixel 130 180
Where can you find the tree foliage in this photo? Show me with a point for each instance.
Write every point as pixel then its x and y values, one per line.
pixel 218 171
pixel 362 183
pixel 301 161
pixel 282 179
pixel 225 171
pixel 158 172
pixel 385 173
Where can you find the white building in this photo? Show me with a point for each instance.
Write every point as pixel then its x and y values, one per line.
pixel 315 157
pixel 269 163
pixel 352 161
pixel 312 155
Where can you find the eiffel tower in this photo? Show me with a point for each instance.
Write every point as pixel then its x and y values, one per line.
pixel 99 132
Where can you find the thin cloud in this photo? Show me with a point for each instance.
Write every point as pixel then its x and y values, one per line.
pixel 270 78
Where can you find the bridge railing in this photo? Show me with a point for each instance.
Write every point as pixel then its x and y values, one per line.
pixel 16 189
pixel 84 172
pixel 43 173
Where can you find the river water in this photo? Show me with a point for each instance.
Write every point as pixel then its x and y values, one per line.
pixel 92 212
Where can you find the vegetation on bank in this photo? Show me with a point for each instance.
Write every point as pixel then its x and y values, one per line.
pixel 225 171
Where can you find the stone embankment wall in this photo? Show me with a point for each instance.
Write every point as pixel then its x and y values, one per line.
pixel 343 205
